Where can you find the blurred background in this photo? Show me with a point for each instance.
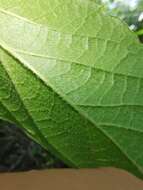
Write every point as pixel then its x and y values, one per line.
pixel 131 11
pixel 17 151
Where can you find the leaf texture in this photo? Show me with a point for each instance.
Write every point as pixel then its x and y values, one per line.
pixel 71 76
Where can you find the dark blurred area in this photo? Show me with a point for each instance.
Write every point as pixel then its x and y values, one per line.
pixel 17 151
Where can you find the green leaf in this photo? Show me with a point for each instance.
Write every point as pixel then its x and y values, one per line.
pixel 72 77
pixel 139 32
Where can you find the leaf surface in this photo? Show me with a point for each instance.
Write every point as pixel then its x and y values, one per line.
pixel 72 77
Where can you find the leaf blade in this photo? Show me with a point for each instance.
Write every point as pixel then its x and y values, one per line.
pixel 59 72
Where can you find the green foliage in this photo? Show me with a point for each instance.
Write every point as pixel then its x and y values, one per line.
pixel 71 76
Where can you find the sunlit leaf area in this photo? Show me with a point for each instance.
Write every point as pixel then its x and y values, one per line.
pixel 20 151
